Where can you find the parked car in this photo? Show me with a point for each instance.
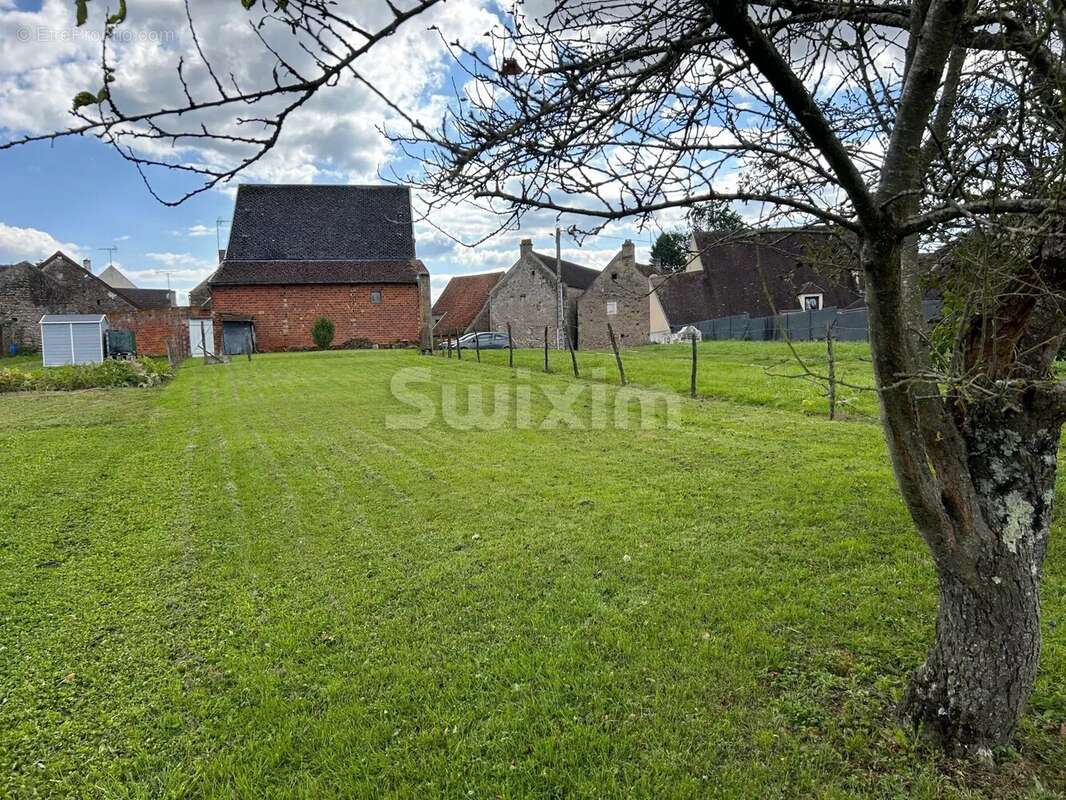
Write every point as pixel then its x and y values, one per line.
pixel 486 340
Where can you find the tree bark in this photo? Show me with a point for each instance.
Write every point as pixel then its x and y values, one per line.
pixel 972 689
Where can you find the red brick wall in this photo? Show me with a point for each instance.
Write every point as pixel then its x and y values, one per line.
pixel 284 314
pixel 153 327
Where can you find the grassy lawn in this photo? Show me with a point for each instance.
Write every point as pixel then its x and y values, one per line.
pixel 22 361
pixel 753 373
pixel 247 584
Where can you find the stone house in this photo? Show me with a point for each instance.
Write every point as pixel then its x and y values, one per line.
pixel 88 292
pixel 623 296
pixel 527 297
pixel 58 285
pixel 299 252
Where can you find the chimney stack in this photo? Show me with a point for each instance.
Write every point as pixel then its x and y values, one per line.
pixel 87 264
pixel 221 256
pixel 629 252
pixel 526 247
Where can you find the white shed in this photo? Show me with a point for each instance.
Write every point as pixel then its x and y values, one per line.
pixel 72 339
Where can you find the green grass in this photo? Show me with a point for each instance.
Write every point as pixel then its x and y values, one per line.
pixel 243 584
pixel 22 361
pixel 754 373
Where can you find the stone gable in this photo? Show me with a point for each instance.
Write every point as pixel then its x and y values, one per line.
pixel 625 286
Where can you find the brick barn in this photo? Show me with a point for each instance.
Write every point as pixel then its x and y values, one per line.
pixel 297 253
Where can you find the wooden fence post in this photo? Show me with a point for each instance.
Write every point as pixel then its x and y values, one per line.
pixel 449 337
pixel 546 348
pixel 692 390
pixel 617 357
pixel 477 346
pixel 510 347
pixel 832 371
pixel 458 347
pixel 573 355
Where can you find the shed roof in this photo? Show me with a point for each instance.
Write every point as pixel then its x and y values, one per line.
pixel 57 319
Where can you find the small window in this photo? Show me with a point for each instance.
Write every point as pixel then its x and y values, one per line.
pixel 375 296
pixel 612 307
pixel 811 302
pixel 614 276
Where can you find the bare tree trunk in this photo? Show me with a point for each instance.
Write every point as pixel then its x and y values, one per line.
pixel 971 691
pixel 978 480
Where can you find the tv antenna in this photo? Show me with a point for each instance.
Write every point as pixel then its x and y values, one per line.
pixel 218 231
pixel 110 254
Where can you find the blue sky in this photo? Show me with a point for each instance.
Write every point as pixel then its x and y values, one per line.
pixel 81 196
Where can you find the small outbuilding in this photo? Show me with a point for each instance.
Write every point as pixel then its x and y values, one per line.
pixel 73 339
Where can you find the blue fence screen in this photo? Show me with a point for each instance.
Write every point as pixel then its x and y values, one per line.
pixel 848 326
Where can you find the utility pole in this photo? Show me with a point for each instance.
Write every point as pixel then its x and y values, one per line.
pixel 561 321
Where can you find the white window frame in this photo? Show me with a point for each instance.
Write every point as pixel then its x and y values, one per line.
pixel 612 308
pixel 805 297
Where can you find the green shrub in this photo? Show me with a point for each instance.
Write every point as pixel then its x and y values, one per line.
pixel 322 332
pixel 13 379
pixel 109 374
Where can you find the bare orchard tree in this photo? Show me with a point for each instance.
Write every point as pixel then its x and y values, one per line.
pixel 904 124
pixel 901 123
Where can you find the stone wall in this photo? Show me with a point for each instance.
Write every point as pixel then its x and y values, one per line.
pixel 90 294
pixel 622 283
pixel 283 315
pixel 526 297
pixel 26 295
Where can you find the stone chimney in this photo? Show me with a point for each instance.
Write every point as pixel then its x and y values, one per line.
pixel 221 256
pixel 526 248
pixel 629 252
pixel 87 264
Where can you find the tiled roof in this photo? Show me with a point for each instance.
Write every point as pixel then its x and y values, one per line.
pixel 238 273
pixel 463 298
pixel 321 223
pixel 200 295
pixel 147 298
pixel 574 275
pixel 761 273
pixel 685 297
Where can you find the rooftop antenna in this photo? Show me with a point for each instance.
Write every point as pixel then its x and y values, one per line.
pixel 168 273
pixel 218 232
pixel 110 253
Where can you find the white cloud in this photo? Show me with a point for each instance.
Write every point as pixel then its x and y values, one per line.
pixel 30 244
pixel 198 230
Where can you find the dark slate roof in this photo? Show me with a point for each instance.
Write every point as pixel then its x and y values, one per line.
pixel 321 223
pixel 463 298
pixel 238 273
pixel 147 298
pixel 574 275
pixel 762 273
pixel 200 295
pixel 685 297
